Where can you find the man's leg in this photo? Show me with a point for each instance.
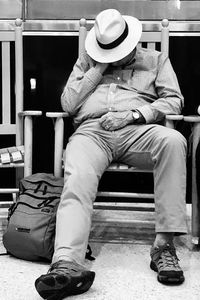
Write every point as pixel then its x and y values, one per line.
pixel 85 161
pixel 170 180
pixel 167 148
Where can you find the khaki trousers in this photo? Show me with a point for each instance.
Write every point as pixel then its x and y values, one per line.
pixel 90 151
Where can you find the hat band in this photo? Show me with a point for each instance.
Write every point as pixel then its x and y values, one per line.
pixel 117 42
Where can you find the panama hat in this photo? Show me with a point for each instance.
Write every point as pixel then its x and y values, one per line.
pixel 113 36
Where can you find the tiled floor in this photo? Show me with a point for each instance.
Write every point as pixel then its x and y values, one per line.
pixel 122 268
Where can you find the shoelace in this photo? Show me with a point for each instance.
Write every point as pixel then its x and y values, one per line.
pixel 64 267
pixel 167 255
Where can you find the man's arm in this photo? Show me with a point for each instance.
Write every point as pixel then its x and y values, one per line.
pixel 119 119
pixel 83 80
pixel 170 100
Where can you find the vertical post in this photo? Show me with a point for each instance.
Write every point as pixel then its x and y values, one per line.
pixel 165 37
pixel 19 88
pixel 19 80
pixel 195 201
pixel 23 10
pixel 28 145
pixel 58 151
pixel 6 70
pixel 169 123
pixel 82 36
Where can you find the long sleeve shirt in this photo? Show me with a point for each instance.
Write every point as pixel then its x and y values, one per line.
pixel 148 84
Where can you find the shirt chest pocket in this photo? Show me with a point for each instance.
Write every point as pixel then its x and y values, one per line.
pixel 142 81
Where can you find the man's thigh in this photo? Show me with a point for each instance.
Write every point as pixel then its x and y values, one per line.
pixel 145 141
pixel 85 155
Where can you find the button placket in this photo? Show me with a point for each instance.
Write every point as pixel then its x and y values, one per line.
pixel 111 96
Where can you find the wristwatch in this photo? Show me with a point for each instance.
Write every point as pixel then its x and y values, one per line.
pixel 135 115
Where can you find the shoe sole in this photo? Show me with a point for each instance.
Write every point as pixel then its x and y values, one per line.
pixel 166 279
pixel 57 287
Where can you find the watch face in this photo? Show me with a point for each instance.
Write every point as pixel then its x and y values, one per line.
pixel 135 115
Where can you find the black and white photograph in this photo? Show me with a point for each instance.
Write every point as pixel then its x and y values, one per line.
pixel 99 149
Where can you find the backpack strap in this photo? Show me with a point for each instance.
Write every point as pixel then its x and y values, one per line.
pixel 88 254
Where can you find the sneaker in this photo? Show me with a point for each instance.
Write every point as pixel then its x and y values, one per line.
pixel 64 279
pixel 165 261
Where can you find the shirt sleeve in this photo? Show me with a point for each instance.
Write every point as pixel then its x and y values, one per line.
pixel 81 83
pixel 170 99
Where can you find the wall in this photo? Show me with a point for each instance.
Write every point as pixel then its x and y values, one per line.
pixel 74 9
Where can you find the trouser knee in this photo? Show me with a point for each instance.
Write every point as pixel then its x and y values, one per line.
pixel 174 141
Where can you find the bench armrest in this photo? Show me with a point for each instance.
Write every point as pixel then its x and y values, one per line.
pixel 30 113
pixel 169 120
pixel 174 117
pixel 57 114
pixel 192 119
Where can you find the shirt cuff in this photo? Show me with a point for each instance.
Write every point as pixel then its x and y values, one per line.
pixel 147 113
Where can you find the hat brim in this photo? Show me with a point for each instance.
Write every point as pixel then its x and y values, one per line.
pixel 119 52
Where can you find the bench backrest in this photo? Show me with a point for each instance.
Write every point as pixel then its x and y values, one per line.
pixel 12 92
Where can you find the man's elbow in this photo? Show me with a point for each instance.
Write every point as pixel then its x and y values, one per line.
pixel 63 101
pixel 68 106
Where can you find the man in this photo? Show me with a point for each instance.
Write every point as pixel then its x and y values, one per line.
pixel 117 94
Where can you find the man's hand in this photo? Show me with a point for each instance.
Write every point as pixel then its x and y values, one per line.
pixel 115 120
pixel 101 67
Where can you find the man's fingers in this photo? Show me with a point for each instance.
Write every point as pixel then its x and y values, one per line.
pixel 104 120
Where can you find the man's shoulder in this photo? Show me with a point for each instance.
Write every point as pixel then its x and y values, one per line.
pixel 150 56
pixel 148 52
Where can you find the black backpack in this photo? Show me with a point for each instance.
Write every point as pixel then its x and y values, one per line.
pixel 31 220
